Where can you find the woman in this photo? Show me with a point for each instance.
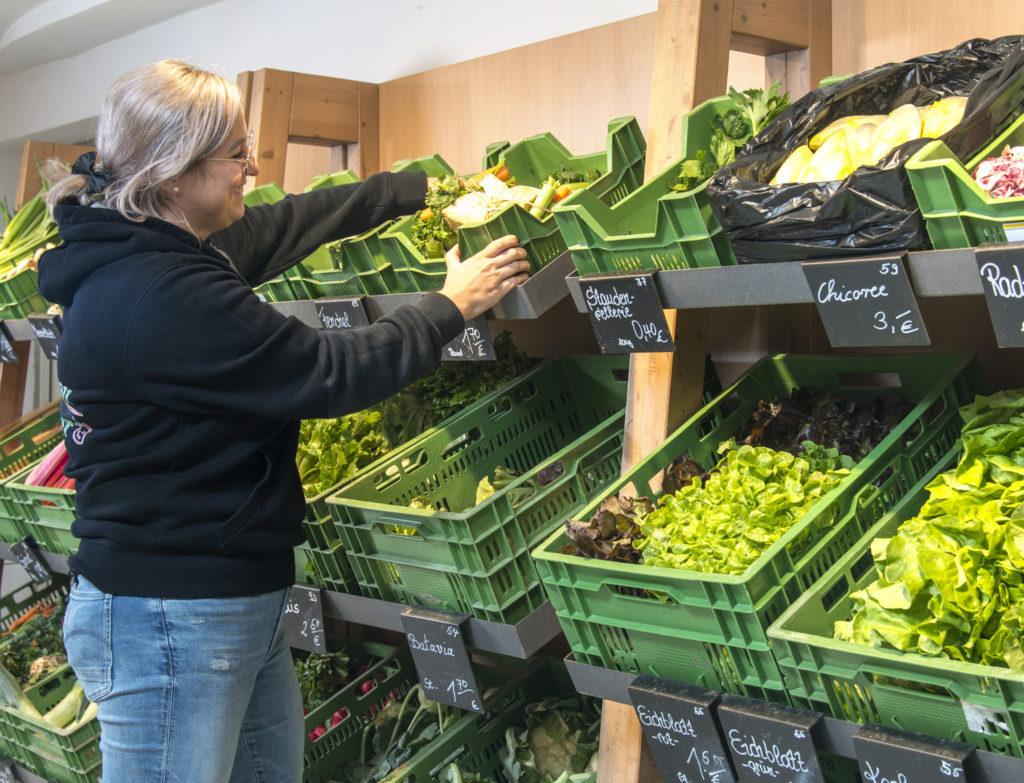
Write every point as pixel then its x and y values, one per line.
pixel 182 394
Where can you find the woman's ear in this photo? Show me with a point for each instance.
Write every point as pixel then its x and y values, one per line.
pixel 170 187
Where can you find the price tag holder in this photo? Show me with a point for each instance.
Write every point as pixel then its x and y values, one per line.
pixel 626 313
pixel 47 330
pixel 770 741
pixel 473 345
pixel 342 313
pixel 439 652
pixel 679 725
pixel 27 553
pixel 1001 268
pixel 866 302
pixel 7 772
pixel 304 619
pixel 888 754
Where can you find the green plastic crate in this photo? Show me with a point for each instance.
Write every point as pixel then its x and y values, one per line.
pixel 47 512
pixel 57 755
pixel 18 449
pixel 967 702
pixel 493 154
pixel 653 227
pixel 567 411
pixel 413 271
pixel 392 674
pixel 334 282
pixel 710 629
pixel 364 255
pixel 431 165
pixel 19 287
pixel 956 211
pixel 622 171
pixel 23 308
pixel 343 177
pixel 476 740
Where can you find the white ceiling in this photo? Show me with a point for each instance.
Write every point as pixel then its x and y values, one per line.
pixel 34 32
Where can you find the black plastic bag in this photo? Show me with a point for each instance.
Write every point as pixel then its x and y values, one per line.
pixel 873 210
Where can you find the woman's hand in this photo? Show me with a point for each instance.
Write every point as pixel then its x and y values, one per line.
pixel 478 283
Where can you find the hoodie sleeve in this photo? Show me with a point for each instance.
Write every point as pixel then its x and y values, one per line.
pixel 227 352
pixel 271 238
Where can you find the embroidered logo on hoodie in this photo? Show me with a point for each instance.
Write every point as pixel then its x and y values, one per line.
pixel 78 429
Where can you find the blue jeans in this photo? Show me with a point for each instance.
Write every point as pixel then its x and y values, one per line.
pixel 188 691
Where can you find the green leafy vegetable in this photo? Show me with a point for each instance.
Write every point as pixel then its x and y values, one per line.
pixel 752 497
pixel 332 449
pixel 558 743
pixel 502 478
pixel 431 234
pixel 950 580
pixel 37 637
pixel 751 111
pixel 320 676
pixel 567 176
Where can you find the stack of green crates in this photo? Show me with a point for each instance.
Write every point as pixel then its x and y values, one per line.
pixel 956 211
pixel 391 675
pixel 966 702
pixel 561 423
pixel 363 255
pixel 529 161
pixel 19 448
pixel 710 629
pixel 653 227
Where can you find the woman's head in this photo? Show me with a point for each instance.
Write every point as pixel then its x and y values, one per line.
pixel 157 126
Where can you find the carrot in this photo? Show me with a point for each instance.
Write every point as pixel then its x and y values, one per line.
pixel 426 214
pixel 26 617
pixel 501 172
pixel 561 192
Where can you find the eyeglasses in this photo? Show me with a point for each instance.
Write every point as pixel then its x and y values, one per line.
pixel 245 158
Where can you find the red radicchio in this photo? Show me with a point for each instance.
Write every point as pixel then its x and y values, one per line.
pixel 1002 177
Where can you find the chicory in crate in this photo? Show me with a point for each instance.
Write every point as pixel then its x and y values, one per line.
pixel 873 210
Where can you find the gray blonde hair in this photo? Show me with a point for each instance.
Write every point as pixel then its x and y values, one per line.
pixel 155 123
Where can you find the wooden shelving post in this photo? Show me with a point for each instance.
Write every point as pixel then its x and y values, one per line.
pixel 283 106
pixel 691 64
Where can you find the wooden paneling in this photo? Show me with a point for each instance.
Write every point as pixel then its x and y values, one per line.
pixel 324 108
pixel 763 27
pixel 570 86
pixel 867 33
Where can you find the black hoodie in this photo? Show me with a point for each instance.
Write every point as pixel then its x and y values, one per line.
pixel 182 391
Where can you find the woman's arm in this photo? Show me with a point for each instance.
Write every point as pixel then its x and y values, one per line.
pixel 271 238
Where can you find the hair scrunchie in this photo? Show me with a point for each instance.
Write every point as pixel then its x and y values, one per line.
pixel 97 178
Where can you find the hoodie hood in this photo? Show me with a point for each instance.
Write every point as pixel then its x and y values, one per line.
pixel 96 237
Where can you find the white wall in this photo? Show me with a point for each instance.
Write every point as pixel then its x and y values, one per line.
pixel 367 41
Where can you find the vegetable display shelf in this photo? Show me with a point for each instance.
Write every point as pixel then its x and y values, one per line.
pixel 363 254
pixel 957 212
pixel 653 227
pixel 69 755
pixel 475 741
pixel 833 739
pixel 560 426
pixel 529 161
pixel 18 449
pixel 933 273
pixel 389 676
pixel 967 702
pixel 709 628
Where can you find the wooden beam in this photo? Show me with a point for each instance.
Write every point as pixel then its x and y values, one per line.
pixel 762 27
pixel 324 109
pixel 269 111
pixel 12 385
pixel 691 64
pixel 819 42
pixel 367 158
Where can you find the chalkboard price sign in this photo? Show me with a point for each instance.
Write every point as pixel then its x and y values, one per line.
pixel 888 754
pixel 442 662
pixel 770 741
pixel 341 314
pixel 679 725
pixel 304 619
pixel 626 313
pixel 473 345
pixel 7 772
pixel 866 302
pixel 27 553
pixel 47 330
pixel 7 353
pixel 1002 279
